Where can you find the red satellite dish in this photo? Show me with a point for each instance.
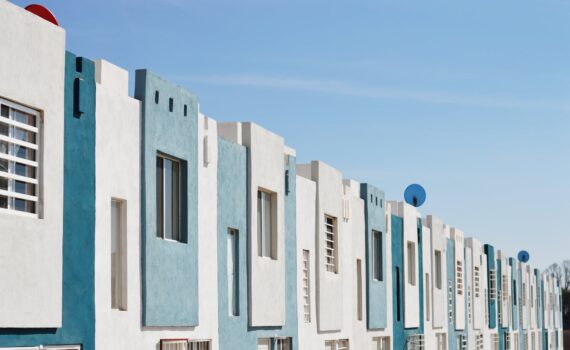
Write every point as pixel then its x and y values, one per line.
pixel 42 12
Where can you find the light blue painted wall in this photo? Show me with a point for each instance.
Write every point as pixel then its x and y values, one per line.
pixel 234 331
pixel 78 302
pixel 169 269
pixel 400 333
pixel 375 219
pixel 452 332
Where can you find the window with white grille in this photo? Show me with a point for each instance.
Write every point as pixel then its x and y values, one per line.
pixel 331 246
pixel 19 159
pixel 504 288
pixel 174 344
pixel 415 342
pixel 306 285
pixel 492 284
pixel 381 343
pixel 459 279
pixel 494 341
pixel 330 345
pixel 199 345
pixel 480 344
pixel 476 281
pixel 450 301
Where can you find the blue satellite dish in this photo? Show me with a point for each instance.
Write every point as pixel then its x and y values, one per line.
pixel 415 195
pixel 523 256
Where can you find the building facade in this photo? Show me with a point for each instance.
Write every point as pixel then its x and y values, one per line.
pixel 137 222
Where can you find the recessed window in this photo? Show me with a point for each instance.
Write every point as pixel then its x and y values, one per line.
pixel 185 110
pixel 331 247
pixel 381 343
pixel 306 285
pixel 428 298
pixel 19 161
pixel 233 285
pixel 377 256
pixel 359 302
pixel 156 97
pixel 168 197
pixel 459 277
pixel 118 255
pixel 171 104
pixel 438 269
pixel 411 252
pixel 266 225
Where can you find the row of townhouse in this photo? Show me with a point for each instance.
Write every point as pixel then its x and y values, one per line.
pixel 140 223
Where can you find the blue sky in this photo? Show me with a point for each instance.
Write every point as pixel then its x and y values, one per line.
pixel 470 99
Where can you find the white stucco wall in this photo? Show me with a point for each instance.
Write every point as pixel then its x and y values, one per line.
pixel 439 295
pixel 458 237
pixel 32 67
pixel 329 285
pixel 266 168
pixel 118 176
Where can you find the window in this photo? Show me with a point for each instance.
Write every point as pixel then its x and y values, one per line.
pixel 476 281
pixel 233 264
pixel 168 197
pixel 306 285
pixel 156 96
pixel 185 110
pixel 461 342
pixel 331 244
pixel 174 344
pixel 441 339
pixel 171 104
pixel 428 307
pixel 118 255
pixel 438 269
pixel 358 289
pixel 411 250
pixel 480 345
pixel 450 301
pixel 415 342
pixel 266 226
pixel 398 298
pixel 343 344
pixel 282 344
pixel 515 292
pixel 507 337
pixel 500 307
pixel 19 159
pixel 264 344
pixel 494 341
pixel 516 337
pixel 505 287
pixel 459 282
pixel 523 297
pixel 377 255
pixel 381 343
pixel 492 284
pixel 330 345
pixel 199 345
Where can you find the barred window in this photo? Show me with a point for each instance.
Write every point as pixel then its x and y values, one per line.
pixel 331 244
pixel 19 159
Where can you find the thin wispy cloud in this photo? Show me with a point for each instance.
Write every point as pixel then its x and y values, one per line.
pixel 349 89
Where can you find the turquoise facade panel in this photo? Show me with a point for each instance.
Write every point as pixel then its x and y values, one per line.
pixel 400 333
pixel 453 333
pixel 492 302
pixel 234 330
pixel 375 222
pixel 78 300
pixel 169 268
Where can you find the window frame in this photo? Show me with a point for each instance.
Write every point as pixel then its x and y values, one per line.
pixel 10 175
pixel 377 256
pixel 233 292
pixel 331 253
pixel 411 260
pixel 306 285
pixel 438 262
pixel 266 241
pixel 160 209
pixel 119 297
